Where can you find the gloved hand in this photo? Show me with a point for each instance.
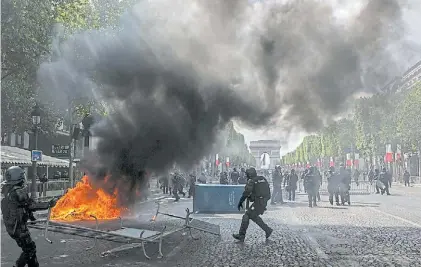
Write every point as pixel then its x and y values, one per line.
pixel 240 203
pixel 52 202
pixel 32 217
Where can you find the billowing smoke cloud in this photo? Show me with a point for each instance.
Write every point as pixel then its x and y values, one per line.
pixel 177 71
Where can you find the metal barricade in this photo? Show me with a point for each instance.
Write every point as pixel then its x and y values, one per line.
pixel 360 188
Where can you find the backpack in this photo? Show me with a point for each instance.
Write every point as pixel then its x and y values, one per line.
pixel 262 188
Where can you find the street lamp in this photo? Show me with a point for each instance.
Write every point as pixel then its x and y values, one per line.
pixel 36 121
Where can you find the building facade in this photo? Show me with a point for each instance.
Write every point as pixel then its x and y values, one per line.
pixel 269 147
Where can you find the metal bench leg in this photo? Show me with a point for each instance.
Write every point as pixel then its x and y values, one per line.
pixel 153 219
pixel 187 223
pixel 143 245
pixel 160 243
pixel 46 226
pixel 96 228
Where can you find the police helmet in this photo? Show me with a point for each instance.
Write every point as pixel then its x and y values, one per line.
pixel 14 175
pixel 251 172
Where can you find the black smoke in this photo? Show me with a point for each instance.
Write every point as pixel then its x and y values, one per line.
pixel 175 72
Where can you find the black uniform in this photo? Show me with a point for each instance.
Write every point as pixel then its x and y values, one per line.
pixel 257 191
pixel 386 178
pixel 164 181
pixel 178 185
pixel 406 177
pixel 277 187
pixel 312 185
pixel 223 179
pixel 192 183
pixel 333 181
pixel 243 178
pixel 17 207
pixel 291 184
pixel 345 185
pixel 234 176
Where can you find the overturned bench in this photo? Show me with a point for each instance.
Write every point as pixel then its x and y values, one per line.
pixel 130 237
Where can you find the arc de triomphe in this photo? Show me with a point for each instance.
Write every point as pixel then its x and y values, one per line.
pixel 271 147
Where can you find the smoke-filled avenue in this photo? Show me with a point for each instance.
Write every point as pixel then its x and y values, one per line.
pixel 123 128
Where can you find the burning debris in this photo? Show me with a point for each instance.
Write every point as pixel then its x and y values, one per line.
pixel 86 200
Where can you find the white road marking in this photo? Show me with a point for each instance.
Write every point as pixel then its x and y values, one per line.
pixel 396 217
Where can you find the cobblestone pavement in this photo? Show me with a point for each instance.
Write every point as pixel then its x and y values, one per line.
pixel 375 230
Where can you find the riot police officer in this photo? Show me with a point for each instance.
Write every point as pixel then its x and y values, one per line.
pixel 312 185
pixel 177 186
pixel 234 176
pixel 345 185
pixel 17 207
pixel 257 190
pixel 243 177
pixel 333 186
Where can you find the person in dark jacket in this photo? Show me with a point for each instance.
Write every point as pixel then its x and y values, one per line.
pixel 243 177
pixel 291 181
pixel 312 185
pixel 277 187
pixel 234 176
pixel 192 184
pixel 385 177
pixel 223 179
pixel 406 178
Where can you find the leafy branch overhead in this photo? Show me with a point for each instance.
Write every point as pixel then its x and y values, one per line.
pixel 392 118
pixel 28 31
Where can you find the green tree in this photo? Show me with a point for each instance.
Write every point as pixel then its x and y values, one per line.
pixel 26 31
pixel 409 117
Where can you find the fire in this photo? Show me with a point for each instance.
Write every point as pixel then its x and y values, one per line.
pixel 83 201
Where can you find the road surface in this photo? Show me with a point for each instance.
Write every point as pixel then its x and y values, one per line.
pixel 375 231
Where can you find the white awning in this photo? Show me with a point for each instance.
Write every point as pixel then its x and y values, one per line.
pixel 22 157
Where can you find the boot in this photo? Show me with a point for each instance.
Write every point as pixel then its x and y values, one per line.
pixel 268 233
pixel 239 237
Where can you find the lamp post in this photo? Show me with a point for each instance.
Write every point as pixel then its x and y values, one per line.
pixel 36 120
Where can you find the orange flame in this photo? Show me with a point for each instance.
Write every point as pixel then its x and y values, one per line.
pixel 83 201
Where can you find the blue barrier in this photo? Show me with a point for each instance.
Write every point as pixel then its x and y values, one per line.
pixel 217 198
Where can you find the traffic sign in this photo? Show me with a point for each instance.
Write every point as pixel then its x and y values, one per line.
pixel 36 155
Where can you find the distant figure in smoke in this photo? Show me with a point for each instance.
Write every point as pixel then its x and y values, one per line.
pixel 243 177
pixel 177 186
pixel 385 178
pixel 291 185
pixel 192 184
pixel 333 186
pixel 234 176
pixel 202 178
pixel 277 186
pixel 344 185
pixel 223 179
pixel 164 181
pixel 406 178
pixel 312 185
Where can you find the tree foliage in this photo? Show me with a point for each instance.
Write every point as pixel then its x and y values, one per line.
pixel 392 118
pixel 28 28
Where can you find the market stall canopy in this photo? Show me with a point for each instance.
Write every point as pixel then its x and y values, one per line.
pixel 22 157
